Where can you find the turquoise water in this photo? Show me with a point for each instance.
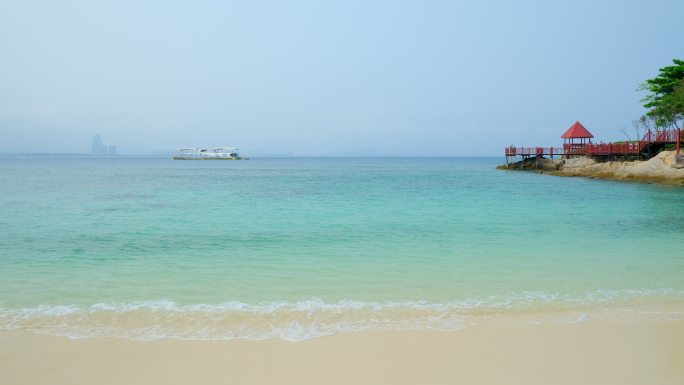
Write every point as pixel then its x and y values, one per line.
pixel 299 247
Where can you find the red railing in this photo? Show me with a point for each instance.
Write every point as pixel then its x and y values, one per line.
pixel 668 136
pixel 513 151
pixel 626 148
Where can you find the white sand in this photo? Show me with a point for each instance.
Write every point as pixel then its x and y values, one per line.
pixel 589 352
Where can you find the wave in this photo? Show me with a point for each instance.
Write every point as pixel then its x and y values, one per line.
pixel 306 319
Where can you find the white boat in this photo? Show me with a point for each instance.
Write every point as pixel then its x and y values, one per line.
pixel 206 153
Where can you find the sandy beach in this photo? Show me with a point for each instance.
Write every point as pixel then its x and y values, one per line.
pixel 367 236
pixel 588 352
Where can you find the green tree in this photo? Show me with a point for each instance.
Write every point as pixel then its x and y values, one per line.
pixel 676 101
pixel 665 101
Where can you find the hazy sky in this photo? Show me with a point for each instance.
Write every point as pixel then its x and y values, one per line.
pixel 326 77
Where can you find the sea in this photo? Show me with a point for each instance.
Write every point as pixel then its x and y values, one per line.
pixel 147 248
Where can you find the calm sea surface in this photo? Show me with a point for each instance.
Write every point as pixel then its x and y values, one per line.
pixel 299 247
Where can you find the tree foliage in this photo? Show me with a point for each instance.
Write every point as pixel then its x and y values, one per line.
pixel 665 101
pixel 676 101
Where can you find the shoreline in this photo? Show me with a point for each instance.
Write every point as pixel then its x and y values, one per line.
pixel 663 168
pixel 309 320
pixel 587 352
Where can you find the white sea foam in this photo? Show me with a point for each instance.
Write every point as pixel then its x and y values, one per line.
pixel 301 320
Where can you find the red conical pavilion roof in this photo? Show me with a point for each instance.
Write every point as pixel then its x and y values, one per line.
pixel 577 131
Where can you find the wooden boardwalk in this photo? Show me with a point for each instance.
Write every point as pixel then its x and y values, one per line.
pixel 650 143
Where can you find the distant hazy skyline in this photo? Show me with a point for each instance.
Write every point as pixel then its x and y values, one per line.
pixel 325 78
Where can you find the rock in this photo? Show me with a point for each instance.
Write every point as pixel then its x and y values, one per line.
pixel 679 161
pixel 577 164
pixel 665 167
pixel 534 163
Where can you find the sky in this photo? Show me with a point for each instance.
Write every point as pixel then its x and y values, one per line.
pixel 326 78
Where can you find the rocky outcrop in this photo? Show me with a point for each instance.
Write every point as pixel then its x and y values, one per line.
pixel 665 167
pixel 534 163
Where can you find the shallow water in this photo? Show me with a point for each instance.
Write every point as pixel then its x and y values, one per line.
pixel 150 248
